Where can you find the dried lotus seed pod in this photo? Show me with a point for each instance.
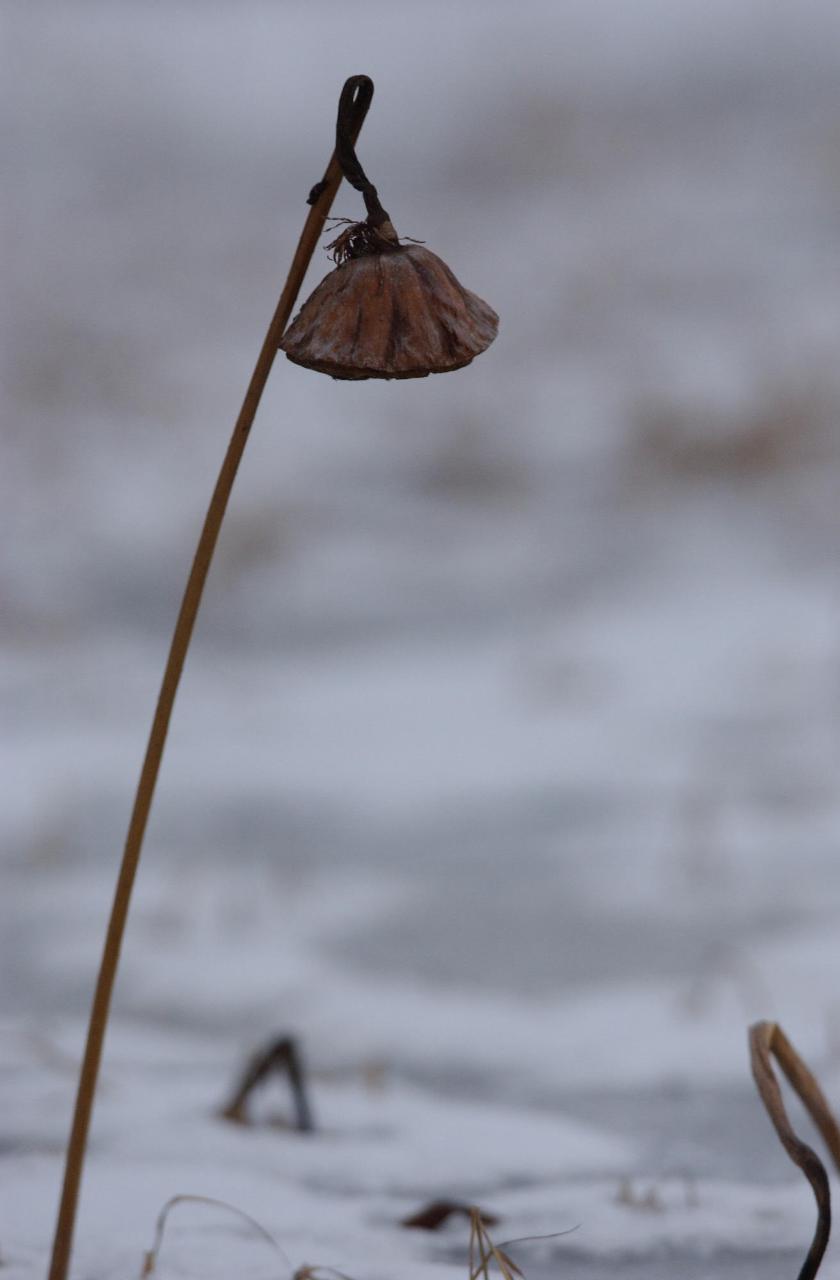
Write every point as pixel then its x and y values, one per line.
pixel 388 310
pixel 394 312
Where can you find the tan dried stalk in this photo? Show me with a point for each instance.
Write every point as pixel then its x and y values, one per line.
pixel 487 1252
pixel 150 1258
pixel 767 1041
pixel 323 195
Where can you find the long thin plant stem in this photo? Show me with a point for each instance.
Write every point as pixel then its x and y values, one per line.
pixel 767 1041
pixel 323 194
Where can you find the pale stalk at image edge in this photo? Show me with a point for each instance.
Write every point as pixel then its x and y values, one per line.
pixel 77 1145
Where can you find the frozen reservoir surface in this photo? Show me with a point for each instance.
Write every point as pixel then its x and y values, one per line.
pixel 504 774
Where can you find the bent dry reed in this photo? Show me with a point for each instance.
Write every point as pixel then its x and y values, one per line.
pixel 442 325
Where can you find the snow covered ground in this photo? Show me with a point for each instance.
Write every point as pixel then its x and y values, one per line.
pixel 504 773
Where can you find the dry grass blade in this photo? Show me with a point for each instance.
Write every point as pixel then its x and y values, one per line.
pixel 151 1256
pixel 767 1041
pixel 481 1243
pixel 314 1271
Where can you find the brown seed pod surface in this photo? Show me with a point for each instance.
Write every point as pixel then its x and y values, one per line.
pixel 399 313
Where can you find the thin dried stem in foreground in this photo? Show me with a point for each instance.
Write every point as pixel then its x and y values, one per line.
pixel 150 1258
pixel 360 90
pixel 487 1251
pixel 481 1246
pixel 767 1040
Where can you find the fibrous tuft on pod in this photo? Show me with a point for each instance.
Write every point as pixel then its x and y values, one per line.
pixel 387 310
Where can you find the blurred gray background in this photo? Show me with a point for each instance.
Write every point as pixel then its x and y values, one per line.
pixel 520 683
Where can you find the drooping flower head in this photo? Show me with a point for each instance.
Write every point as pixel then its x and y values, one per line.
pixel 388 309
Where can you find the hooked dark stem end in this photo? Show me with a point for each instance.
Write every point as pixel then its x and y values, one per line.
pixel 356 96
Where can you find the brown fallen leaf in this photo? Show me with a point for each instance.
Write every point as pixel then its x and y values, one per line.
pixel 436 1212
